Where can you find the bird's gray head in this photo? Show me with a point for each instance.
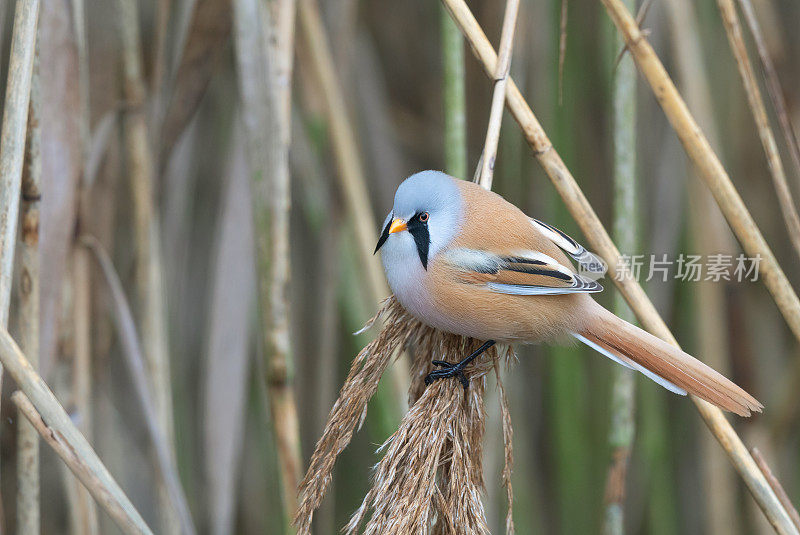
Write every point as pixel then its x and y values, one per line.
pixel 426 216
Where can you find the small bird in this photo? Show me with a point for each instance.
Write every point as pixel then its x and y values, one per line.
pixel 464 260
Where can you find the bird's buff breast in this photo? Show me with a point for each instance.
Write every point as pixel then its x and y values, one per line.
pixel 408 286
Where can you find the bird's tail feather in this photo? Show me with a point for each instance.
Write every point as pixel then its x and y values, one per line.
pixel 675 370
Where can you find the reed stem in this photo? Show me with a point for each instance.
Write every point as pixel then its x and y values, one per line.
pixel 499 94
pixel 454 99
pixel 151 306
pixel 76 453
pixel 707 164
pixel 136 364
pixel 28 507
pixel 12 142
pixel 265 104
pixel 625 228
pixel 733 29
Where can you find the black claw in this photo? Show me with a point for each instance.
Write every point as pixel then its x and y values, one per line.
pixel 464 380
pixel 457 369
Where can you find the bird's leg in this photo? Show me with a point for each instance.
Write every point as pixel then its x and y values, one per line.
pixel 456 370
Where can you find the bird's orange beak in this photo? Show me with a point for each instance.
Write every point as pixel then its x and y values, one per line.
pixel 397 226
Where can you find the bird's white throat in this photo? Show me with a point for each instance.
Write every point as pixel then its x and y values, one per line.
pixel 405 273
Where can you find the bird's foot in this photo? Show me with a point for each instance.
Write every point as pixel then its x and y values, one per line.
pixel 448 370
pixel 455 370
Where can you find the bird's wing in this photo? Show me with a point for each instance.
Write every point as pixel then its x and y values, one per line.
pixel 588 261
pixel 522 273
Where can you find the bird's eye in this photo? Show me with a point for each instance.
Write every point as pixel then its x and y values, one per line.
pixel 423 217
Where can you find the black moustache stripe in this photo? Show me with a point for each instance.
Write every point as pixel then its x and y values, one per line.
pixel 384 236
pixel 422 239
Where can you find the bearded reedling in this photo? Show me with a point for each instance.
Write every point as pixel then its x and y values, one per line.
pixel 464 260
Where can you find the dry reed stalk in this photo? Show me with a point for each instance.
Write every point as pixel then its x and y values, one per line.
pixel 350 171
pixel 707 164
pixel 776 486
pixel 136 364
pixel 160 71
pixel 730 20
pixel 28 508
pixel 284 14
pixel 12 141
pixel 622 425
pixel 773 84
pixel 487 165
pixel 57 428
pixel 102 487
pixel 268 152
pixel 600 241
pixel 788 402
pixel 281 28
pixel 12 145
pixel 83 509
pixel 499 94
pixel 83 512
pixel 148 263
pixel 430 478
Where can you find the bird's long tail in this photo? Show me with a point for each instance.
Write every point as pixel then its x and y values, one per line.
pixel 667 365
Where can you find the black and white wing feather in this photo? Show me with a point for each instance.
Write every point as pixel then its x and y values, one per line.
pixel 589 262
pixel 523 273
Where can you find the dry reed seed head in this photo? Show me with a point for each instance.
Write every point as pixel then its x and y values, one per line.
pixel 430 479
pixel 349 410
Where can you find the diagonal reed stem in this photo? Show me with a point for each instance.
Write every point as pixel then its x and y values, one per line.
pixel 599 239
pixel 499 94
pixel 122 513
pixel 149 276
pixel 773 85
pixel 135 361
pixel 776 486
pixel 59 428
pixel 707 164
pixel 733 28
